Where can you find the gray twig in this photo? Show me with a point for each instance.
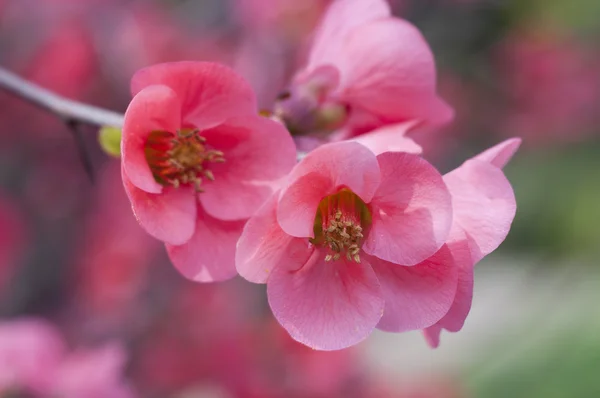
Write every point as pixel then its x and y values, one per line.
pixel 66 109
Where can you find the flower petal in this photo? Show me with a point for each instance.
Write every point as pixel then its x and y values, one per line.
pixel 388 68
pixel 411 211
pixel 339 20
pixel 455 318
pixel 169 216
pixel 500 154
pixel 419 296
pixel 209 93
pixel 484 205
pixel 390 138
pixel 209 255
pixel 264 246
pixel 432 335
pixel 323 172
pixel 258 152
pixel 326 305
pixel 155 108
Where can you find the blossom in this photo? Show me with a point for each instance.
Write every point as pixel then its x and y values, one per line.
pixel 91 373
pixel 365 69
pixel 484 207
pixel 29 349
pixel 197 161
pixel 113 255
pixel 353 241
pixel 34 360
pixel 551 81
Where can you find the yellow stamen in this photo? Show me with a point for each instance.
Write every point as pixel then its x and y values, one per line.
pixel 339 225
pixel 180 159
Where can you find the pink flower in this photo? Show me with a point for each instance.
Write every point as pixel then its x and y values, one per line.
pixel 29 350
pixel 353 241
pixel 113 256
pixel 198 161
pixel 365 69
pixel 552 81
pixel 92 374
pixel 484 207
pixel 34 361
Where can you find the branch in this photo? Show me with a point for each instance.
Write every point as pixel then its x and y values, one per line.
pixel 72 112
pixel 68 110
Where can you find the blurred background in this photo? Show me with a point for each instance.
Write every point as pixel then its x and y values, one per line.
pixel 72 253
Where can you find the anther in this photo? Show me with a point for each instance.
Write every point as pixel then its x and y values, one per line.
pixel 180 159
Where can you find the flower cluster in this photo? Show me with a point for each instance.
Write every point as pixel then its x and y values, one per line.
pixel 362 232
pixel 35 362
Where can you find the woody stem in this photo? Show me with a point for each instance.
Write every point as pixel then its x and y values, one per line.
pixel 68 110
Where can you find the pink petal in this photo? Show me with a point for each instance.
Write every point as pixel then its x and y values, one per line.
pixel 209 93
pixel 419 296
pixel 411 211
pixel 326 305
pixel 388 68
pixel 323 172
pixel 156 108
pixel 257 152
pixel 432 335
pixel 264 246
pixel 169 216
pixel 209 256
pixel 484 205
pixel 500 154
pixel 340 19
pixel 390 138
pixel 455 318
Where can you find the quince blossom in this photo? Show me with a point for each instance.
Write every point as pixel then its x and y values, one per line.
pixel 353 241
pixel 366 69
pixel 357 241
pixel 197 161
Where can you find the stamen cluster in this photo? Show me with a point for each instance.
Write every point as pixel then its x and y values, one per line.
pixel 343 235
pixel 180 160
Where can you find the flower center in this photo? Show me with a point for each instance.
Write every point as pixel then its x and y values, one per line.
pixel 180 159
pixel 340 224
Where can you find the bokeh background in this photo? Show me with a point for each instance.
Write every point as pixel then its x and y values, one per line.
pixel 71 252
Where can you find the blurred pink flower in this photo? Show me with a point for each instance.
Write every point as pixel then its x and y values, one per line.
pixel 114 255
pixel 64 62
pixel 92 374
pixel 34 360
pixel 197 161
pixel 30 350
pixel 484 207
pixel 188 343
pixel 353 241
pixel 291 19
pixel 12 237
pixel 553 83
pixel 147 33
pixel 365 69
